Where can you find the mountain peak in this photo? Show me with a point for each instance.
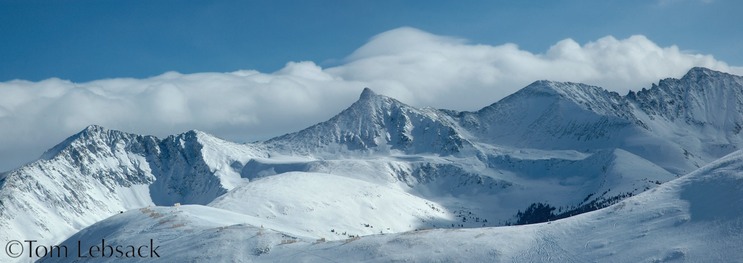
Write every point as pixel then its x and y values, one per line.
pixel 570 90
pixel 541 87
pixel 701 98
pixel 699 72
pixel 93 129
pixel 369 95
pixel 97 132
pixel 542 103
pixel 93 134
pixel 376 122
pixel 370 102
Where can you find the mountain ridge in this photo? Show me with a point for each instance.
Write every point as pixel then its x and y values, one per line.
pixel 568 146
pixel 696 217
pixel 98 172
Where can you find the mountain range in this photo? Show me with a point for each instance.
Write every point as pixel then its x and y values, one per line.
pixel 385 175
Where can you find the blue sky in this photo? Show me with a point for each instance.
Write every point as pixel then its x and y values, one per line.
pixel 252 70
pixel 87 40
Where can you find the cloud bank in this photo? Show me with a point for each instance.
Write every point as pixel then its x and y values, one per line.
pixel 416 67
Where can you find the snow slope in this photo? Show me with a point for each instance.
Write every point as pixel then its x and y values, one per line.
pixel 330 206
pixel 696 218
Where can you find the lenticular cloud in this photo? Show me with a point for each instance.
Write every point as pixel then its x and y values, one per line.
pixel 416 67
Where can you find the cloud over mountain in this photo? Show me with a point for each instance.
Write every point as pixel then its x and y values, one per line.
pixel 419 68
pixel 425 69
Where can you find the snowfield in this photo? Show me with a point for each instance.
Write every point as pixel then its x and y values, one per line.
pixel 328 206
pixel 557 171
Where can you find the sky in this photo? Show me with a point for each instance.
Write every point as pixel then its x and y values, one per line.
pixel 252 70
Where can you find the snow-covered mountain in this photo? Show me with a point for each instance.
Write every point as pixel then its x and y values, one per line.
pixel 553 115
pixel 679 124
pixel 551 150
pixel 700 114
pixel 377 123
pixel 695 218
pixel 98 172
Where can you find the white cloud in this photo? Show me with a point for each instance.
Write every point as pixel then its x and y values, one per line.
pixel 424 69
pixel 413 66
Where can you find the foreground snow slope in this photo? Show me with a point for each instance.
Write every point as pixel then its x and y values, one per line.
pixel 696 218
